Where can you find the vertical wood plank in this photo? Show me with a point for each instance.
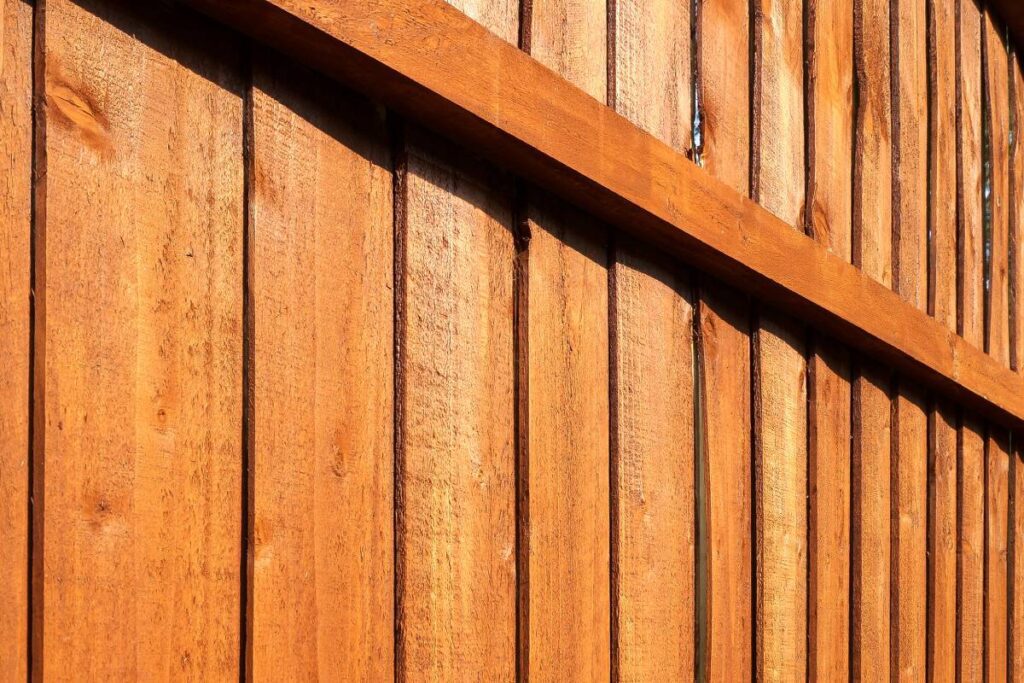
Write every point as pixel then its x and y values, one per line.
pixel 142 378
pixel 910 279
pixel 942 447
pixel 1017 663
pixel 654 468
pixel 997 502
pixel 501 17
pixel 569 618
pixel 970 324
pixel 15 321
pixel 458 472
pixel 722 146
pixel 1016 243
pixel 829 221
pixel 971 550
pixel 996 91
pixel 652 319
pixel 567 432
pixel 970 307
pixel 872 251
pixel 871 524
pixel 780 389
pixel 322 389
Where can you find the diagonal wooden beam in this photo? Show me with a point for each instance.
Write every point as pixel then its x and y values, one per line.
pixel 433 64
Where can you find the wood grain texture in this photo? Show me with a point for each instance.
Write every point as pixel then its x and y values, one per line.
pixel 831 121
pixel 997 340
pixel 425 58
pixel 942 303
pixel 1016 242
pixel 723 91
pixel 322 451
pixel 997 528
pixel 942 171
pixel 570 38
pixel 501 17
pixel 830 221
pixel 971 549
pixel 780 423
pixel 458 475
pixel 829 512
pixel 970 297
pixel 15 323
pixel 872 158
pixel 568 447
pixel 653 466
pixel 871 534
pixel 1017 619
pixel 780 388
pixel 652 318
pixel 142 378
pixel 652 71
pixel 725 395
pixel 942 543
pixel 909 529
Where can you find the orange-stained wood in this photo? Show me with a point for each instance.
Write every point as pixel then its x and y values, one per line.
pixel 971 550
pixel 653 468
pixel 430 60
pixel 15 322
pixel 870 536
pixel 997 339
pixel 780 381
pixel 458 467
pixel 725 647
pixel 1016 241
pixel 909 534
pixel 725 395
pixel 321 452
pixel 568 468
pixel 997 528
pixel 1017 619
pixel 653 534
pixel 910 280
pixel 139 348
pixel 970 295
pixel 830 222
pixel 942 542
pixel 942 259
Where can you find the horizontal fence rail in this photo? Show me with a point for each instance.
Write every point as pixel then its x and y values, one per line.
pixel 430 61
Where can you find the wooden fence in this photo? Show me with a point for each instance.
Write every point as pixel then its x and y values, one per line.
pixel 511 339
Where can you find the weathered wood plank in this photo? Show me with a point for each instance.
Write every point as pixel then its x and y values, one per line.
pixel 997 339
pixel 971 550
pixel 871 546
pixel 458 606
pixel 970 297
pixel 780 388
pixel 725 396
pixel 15 322
pixel 654 536
pixel 997 527
pixel 942 542
pixel 653 467
pixel 322 451
pixel 141 379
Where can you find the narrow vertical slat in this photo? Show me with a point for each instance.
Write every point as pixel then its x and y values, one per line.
pixel 15 323
pixel 568 437
pixel 970 323
pixel 1017 664
pixel 142 398
pixel 830 222
pixel 1016 243
pixel 652 323
pixel 722 145
pixel 910 280
pixel 970 308
pixel 997 502
pixel 458 468
pixel 996 91
pixel 780 388
pixel 872 251
pixel 321 457
pixel 942 179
